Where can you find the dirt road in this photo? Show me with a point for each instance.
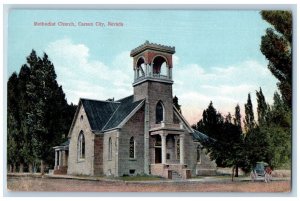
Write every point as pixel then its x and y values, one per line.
pixel 74 185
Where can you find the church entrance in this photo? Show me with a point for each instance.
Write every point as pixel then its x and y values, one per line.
pixel 157 154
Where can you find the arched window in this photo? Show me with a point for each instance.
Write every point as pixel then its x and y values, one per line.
pixel 109 149
pixel 199 154
pixel 131 148
pixel 157 64
pixel 141 68
pixel 81 146
pixel 159 112
pixel 164 69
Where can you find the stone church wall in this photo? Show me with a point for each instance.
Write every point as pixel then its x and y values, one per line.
pixel 156 91
pixel 134 127
pixel 110 165
pixel 84 166
pixel 205 166
pixel 190 154
pixel 98 155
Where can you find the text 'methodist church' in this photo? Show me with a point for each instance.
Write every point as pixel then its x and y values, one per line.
pixel 139 134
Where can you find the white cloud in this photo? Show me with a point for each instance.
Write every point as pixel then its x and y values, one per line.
pixel 84 77
pixel 194 85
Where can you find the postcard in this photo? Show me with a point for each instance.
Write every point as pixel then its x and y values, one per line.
pixel 149 100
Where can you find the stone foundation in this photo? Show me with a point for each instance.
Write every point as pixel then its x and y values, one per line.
pixel 61 170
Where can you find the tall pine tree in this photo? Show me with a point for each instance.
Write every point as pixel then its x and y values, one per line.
pixel 276 45
pixel 13 123
pixel 249 115
pixel 38 114
pixel 262 107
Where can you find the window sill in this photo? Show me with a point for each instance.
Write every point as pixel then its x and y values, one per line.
pixel 80 160
pixel 132 159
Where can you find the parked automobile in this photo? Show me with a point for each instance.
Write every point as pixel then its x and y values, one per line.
pixel 261 170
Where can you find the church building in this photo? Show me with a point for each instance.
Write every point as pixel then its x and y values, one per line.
pixel 143 133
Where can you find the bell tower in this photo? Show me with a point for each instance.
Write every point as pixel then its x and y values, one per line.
pixel 152 65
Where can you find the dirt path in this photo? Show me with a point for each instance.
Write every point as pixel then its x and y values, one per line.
pixel 74 185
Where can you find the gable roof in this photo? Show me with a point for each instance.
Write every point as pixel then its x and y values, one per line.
pixel 126 106
pixel 99 112
pixel 201 137
pixel 198 136
pixel 106 115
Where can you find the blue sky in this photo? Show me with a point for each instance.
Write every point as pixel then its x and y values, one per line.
pixel 217 53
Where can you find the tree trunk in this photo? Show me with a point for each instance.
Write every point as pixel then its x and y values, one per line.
pixel 13 168
pixel 42 167
pixel 30 167
pixel 236 171
pixel 21 169
pixel 10 168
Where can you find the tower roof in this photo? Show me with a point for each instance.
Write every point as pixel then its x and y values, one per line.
pixel 152 46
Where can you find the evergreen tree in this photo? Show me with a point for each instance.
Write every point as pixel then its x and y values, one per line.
pixel 249 116
pixel 13 122
pixel 228 118
pixel 276 45
pixel 38 114
pixel 237 117
pixel 256 142
pixel 262 107
pixel 226 138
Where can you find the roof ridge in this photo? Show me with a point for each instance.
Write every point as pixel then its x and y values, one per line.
pixel 124 98
pixel 111 117
pixel 99 100
pixel 140 102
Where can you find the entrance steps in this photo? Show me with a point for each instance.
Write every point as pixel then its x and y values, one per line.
pixel 176 176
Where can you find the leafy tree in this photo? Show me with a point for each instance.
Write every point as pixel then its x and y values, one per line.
pixel 278 128
pixel 270 140
pixel 276 45
pixel 257 146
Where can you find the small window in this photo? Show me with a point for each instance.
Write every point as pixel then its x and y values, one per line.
pixel 168 156
pixel 131 171
pixel 81 118
pixel 131 148
pixel 109 149
pixel 81 146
